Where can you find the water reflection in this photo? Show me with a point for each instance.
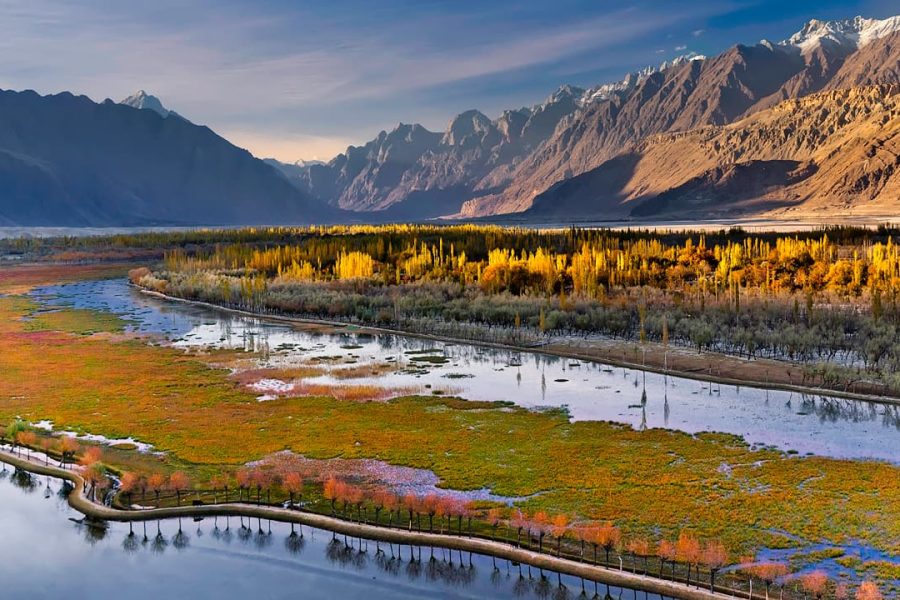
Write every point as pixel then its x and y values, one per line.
pixel 819 425
pixel 226 557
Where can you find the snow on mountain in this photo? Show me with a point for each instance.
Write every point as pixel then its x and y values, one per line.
pixel 604 91
pixel 851 34
pixel 302 164
pixel 143 100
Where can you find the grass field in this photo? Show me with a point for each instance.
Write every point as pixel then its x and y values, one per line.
pixel 653 483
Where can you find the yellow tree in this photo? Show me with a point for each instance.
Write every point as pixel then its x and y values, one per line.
pixel 868 591
pixel 714 557
pixel 178 483
pixel 128 483
pixel 155 482
pixel 293 483
pixel 814 583
pixel 559 525
pixel 687 549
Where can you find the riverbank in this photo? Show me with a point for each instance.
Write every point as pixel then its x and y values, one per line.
pixel 675 361
pixel 78 500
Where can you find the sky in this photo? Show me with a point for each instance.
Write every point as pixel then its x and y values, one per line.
pixel 303 79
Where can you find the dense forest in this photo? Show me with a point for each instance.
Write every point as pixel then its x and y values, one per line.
pixel 828 297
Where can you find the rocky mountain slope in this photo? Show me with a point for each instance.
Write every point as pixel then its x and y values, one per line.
pixel 411 172
pixel 737 83
pixel 482 167
pixel 835 151
pixel 66 160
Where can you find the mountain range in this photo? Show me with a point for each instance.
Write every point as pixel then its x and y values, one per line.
pixel 800 128
pixel 66 160
pixel 528 160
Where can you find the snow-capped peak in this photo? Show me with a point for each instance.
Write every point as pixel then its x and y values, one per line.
pixel 143 100
pixel 604 91
pixel 848 33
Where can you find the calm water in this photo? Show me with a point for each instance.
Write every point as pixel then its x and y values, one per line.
pixel 820 425
pixel 45 554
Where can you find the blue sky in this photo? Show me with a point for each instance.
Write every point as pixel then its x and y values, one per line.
pixel 303 79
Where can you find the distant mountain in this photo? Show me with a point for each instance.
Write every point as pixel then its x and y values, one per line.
pixel 66 160
pixel 411 172
pixel 143 100
pixel 849 34
pixel 480 166
pixel 717 91
pixel 294 171
pixel 690 136
pixel 834 152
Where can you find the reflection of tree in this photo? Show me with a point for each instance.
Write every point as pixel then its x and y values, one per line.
pixel 833 410
pixel 543 587
pixel 413 568
pixel 262 539
pixel 245 533
pixel 227 535
pixel 497 577
pixel 345 553
pixel 94 531
pixel 522 586
pixel 294 543
pixel 390 565
pixel 23 480
pixel 159 543
pixel 561 593
pixel 334 550
pixel 181 539
pixel 359 558
pixel 64 490
pixel 131 543
pixel 216 532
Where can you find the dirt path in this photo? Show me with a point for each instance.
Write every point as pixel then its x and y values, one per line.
pixel 78 501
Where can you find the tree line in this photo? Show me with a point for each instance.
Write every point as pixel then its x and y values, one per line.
pixel 820 298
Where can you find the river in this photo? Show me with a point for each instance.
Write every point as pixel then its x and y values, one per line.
pixel 796 423
pixel 49 552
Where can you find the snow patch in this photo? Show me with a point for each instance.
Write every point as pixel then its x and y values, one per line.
pixel 847 33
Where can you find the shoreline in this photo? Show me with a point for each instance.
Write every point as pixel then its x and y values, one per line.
pixel 625 579
pixel 555 349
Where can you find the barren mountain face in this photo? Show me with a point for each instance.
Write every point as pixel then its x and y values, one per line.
pixel 739 82
pixel 832 150
pixel 481 167
pixel 66 160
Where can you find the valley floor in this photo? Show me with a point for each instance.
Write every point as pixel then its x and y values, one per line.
pixel 77 369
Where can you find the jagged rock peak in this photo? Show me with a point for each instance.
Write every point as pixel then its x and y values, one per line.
pixel 604 91
pixel 142 100
pixel 465 124
pixel 850 34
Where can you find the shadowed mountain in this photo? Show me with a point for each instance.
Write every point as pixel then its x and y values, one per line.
pixel 66 160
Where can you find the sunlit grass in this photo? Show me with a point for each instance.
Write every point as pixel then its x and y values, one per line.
pixel 653 483
pixel 78 321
